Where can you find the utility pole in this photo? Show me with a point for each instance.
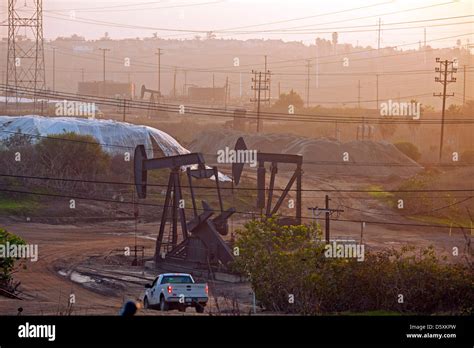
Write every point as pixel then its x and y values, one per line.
pixel 103 77
pixel 174 83
pixel 328 212
pixel 258 103
pixel 424 45
pixel 240 87
pixel 54 68
pixel 358 94
pixel 308 66
pixel 267 77
pixel 213 89
pixel 158 53
pixel 185 83
pixel 445 67
pixel 464 86
pixel 377 90
pixel 265 69
pixel 317 64
pixel 258 82
pixel 226 91
pixel 254 87
pixel 124 108
pixel 379 32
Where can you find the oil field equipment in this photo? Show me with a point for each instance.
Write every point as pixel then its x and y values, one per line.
pixel 200 240
pixel 264 202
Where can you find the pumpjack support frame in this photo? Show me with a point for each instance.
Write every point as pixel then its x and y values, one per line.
pixel 264 203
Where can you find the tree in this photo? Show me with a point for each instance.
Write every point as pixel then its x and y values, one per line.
pixel 287 99
pixel 79 156
pixel 454 110
pixel 210 35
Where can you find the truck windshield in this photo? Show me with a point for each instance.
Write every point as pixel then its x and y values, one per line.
pixel 176 280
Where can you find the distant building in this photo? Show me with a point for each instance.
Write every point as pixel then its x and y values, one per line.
pixel 207 94
pixel 110 89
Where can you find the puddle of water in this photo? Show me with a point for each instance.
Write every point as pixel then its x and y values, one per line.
pixel 80 278
pixel 147 237
pixel 129 234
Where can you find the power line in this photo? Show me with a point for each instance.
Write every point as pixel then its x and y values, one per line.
pixel 215 112
pixel 238 188
pixel 237 212
pixel 122 9
pixel 243 70
pixel 374 16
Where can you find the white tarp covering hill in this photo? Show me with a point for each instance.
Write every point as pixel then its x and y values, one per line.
pixel 122 136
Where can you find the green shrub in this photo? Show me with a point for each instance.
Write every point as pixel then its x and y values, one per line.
pixel 290 260
pixel 72 156
pixel 7 264
pixel 409 150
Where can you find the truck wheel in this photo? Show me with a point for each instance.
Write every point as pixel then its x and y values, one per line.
pixel 163 305
pixel 145 303
pixel 199 308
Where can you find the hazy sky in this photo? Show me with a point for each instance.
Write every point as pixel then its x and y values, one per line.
pixel 245 19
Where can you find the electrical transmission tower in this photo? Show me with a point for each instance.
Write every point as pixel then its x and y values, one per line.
pixel 445 68
pixel 259 85
pixel 25 61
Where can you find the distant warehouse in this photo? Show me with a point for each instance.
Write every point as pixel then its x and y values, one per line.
pixel 109 89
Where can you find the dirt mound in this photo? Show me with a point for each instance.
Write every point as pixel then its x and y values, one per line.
pixel 322 156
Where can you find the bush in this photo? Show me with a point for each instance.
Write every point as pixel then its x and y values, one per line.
pixel 72 156
pixel 409 150
pixel 7 264
pixel 287 99
pixel 66 155
pixel 280 261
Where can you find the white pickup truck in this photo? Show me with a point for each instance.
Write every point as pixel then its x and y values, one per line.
pixel 175 291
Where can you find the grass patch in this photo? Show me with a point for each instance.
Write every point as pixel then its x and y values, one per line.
pixel 16 206
pixel 384 196
pixel 440 221
pixel 378 192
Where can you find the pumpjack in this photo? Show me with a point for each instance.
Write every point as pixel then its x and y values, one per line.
pixel 264 202
pixel 155 97
pixel 200 239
